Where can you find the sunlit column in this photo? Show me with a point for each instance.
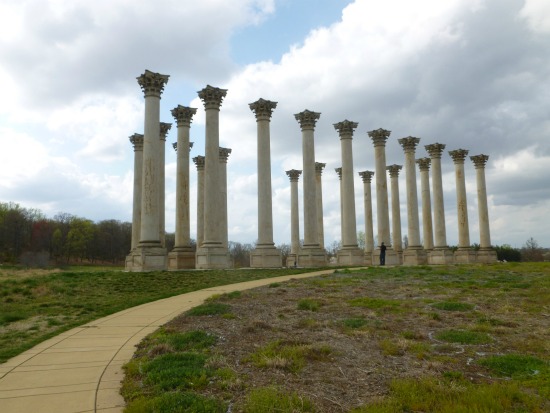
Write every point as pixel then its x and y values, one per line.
pixel 137 141
pixel 319 199
pixel 339 173
pixel 395 207
pixel 427 231
pixel 294 175
pixel 199 163
pixel 223 223
pixel 369 231
pixel 164 128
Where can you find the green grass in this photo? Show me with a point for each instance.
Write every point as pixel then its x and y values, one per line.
pixel 453 306
pixel 272 400
pixel 308 304
pixel 77 295
pixel 354 323
pixel 514 365
pixel 375 303
pixel 210 308
pixel 463 337
pixel 289 356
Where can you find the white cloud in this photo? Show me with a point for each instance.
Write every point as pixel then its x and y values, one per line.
pixel 537 13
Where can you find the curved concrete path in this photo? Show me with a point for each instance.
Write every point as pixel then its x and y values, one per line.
pixel 80 370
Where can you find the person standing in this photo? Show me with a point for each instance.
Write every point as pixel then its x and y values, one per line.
pixel 382 254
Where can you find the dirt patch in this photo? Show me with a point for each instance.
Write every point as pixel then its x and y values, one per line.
pixel 376 329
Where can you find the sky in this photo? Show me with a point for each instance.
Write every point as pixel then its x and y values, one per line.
pixel 471 74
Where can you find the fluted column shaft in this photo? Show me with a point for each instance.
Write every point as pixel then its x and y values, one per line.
pixel 212 98
pixel 307 120
pixel 427 229
pixel 379 138
pixel 183 116
pixel 263 110
pixel 319 199
pixel 413 225
pixel 294 175
pixel 164 128
pixel 435 150
pixel 199 162
pixel 395 207
pixel 223 223
pixel 339 172
pixel 152 85
pixel 345 130
pixel 461 202
pixel 137 142
pixel 483 210
pixel 369 235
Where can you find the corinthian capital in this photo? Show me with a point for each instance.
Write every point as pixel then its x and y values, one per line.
pixel 424 164
pixel 199 162
pixel 458 155
pixel 294 175
pixel 479 160
pixel 345 128
pixel 164 128
pixel 183 115
pixel 137 140
pixel 152 84
pixel 379 136
pixel 367 176
pixel 224 154
pixel 262 108
pixel 435 150
pixel 409 143
pixel 212 96
pixel 175 146
pixel 307 119
pixel 338 172
pixel 394 170
pixel 319 168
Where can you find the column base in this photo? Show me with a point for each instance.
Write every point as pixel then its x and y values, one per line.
pixel 146 258
pixel 350 256
pixel 266 257
pixel 415 256
pixel 465 256
pixel 181 258
pixel 312 257
pixel 440 256
pixel 291 261
pixel 212 256
pixel 368 258
pixel 392 258
pixel 487 256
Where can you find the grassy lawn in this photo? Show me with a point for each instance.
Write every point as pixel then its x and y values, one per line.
pixel 39 304
pixel 468 338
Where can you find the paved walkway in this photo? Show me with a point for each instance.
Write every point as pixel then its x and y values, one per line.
pixel 80 370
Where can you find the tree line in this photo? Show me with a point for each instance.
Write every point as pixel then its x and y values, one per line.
pixel 28 237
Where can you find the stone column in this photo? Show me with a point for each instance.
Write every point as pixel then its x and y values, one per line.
pixel 414 254
pixel 150 255
pixel 265 255
pixel 379 138
pixel 292 259
pixel 223 156
pixel 319 199
pixel 137 142
pixel 164 128
pixel 369 232
pixel 212 253
pixel 350 253
pixel 486 253
pixel 199 163
pixel 182 256
pixel 465 253
pixel 396 210
pixel 311 255
pixel 441 254
pixel 427 229
pixel 339 172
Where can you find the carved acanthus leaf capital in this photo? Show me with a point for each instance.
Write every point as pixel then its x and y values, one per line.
pixel 294 174
pixel 339 172
pixel 345 128
pixel 319 166
pixel 212 97
pixel 137 140
pixel 409 143
pixel 152 84
pixel 459 155
pixel 379 136
pixel 479 160
pixel 367 176
pixel 307 119
pixel 175 146
pixel 224 154
pixel 435 150
pixel 183 115
pixel 199 162
pixel 164 128
pixel 394 170
pixel 424 164
pixel 263 109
